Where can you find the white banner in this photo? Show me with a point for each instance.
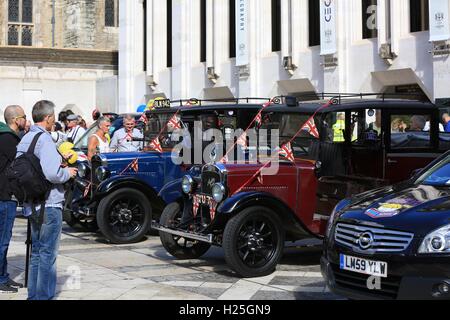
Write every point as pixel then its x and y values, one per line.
pixel 327 27
pixel 242 49
pixel 439 22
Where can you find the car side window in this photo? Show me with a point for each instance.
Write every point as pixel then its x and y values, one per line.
pixel 366 127
pixel 410 131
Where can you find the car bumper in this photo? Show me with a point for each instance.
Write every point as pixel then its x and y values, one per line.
pixel 403 286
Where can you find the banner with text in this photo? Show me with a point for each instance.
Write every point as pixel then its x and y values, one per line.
pixel 242 50
pixel 327 27
pixel 439 22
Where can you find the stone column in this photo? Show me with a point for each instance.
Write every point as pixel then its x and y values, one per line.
pixel 131 73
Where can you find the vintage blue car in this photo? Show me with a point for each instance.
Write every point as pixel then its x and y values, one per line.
pixel 394 242
pixel 120 192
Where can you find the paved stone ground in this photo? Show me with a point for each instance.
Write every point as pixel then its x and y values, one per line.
pixel 90 268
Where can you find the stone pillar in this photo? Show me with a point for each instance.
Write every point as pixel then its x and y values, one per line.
pixel 131 74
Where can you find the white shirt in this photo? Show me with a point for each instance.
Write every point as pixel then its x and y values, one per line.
pixel 75 133
pixel 123 142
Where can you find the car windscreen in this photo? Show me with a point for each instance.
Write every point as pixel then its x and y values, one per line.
pixel 438 175
pixel 158 126
pixel 289 125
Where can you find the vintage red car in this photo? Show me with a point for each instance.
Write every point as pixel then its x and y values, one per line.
pixel 338 150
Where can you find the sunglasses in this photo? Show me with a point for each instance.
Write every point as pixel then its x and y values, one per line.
pixel 21 117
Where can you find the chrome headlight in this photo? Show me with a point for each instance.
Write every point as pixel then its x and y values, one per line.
pixel 218 192
pixel 187 184
pixel 101 173
pixel 437 241
pixel 82 170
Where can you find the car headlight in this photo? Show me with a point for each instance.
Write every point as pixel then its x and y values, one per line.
pixel 218 192
pixel 101 173
pixel 437 241
pixel 82 170
pixel 187 184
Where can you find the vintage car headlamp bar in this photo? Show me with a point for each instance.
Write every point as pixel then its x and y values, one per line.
pixel 437 241
pixel 82 170
pixel 187 184
pixel 218 192
pixel 101 173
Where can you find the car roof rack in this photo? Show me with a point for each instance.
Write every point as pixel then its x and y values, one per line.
pixel 287 100
pixel 339 98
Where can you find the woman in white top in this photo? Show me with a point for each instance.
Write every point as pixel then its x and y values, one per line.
pixel 98 142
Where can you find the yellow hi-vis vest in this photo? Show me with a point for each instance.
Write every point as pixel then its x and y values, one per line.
pixel 338 131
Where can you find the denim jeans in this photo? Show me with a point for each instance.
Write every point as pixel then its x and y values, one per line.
pixel 44 250
pixel 7 216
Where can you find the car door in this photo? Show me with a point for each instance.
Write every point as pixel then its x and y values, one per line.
pixel 411 141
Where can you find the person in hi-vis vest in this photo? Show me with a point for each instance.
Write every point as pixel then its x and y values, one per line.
pixel 338 128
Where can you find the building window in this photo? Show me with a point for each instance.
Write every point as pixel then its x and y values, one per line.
pixel 202 30
pixel 314 22
pixel 232 32
pixel 13 10
pixel 27 11
pixel 276 25
pixel 20 22
pixel 418 13
pixel 169 33
pixel 110 13
pixel 13 35
pixel 369 19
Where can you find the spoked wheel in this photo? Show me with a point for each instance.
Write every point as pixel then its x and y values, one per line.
pixel 124 216
pixel 177 246
pixel 253 242
pixel 80 223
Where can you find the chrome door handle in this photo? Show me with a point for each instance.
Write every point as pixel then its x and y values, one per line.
pixel 390 161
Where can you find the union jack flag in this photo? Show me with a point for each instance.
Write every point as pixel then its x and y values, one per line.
pixel 286 151
pixel 175 122
pixel 212 207
pixel 135 165
pixel 258 119
pixel 310 126
pixel 195 205
pixel 143 118
pixel 86 190
pixel 224 159
pixel 156 145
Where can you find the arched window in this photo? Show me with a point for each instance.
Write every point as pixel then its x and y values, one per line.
pixel 20 22
pixel 13 35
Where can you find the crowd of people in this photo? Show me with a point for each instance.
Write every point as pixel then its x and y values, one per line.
pixel 45 219
pixel 17 137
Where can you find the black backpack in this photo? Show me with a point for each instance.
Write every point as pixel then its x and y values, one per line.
pixel 26 178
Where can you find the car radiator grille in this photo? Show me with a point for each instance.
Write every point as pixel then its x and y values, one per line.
pixel 209 178
pixel 358 282
pixel 384 240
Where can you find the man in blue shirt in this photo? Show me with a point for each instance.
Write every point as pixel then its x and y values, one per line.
pixel 45 237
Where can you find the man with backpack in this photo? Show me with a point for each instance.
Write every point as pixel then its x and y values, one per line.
pixel 15 121
pixel 38 151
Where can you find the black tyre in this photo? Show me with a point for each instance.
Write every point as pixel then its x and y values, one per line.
pixel 124 216
pixel 78 223
pixel 177 246
pixel 253 242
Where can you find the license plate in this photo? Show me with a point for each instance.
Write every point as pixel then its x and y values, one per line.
pixel 369 267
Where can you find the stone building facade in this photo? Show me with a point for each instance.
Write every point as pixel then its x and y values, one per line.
pixel 61 50
pixel 263 48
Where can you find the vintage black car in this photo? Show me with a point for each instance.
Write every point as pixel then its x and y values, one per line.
pixel 120 192
pixel 394 242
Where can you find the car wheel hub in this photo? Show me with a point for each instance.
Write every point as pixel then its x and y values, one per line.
pixel 125 216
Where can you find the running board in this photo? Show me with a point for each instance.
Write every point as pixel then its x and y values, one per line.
pixel 190 235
